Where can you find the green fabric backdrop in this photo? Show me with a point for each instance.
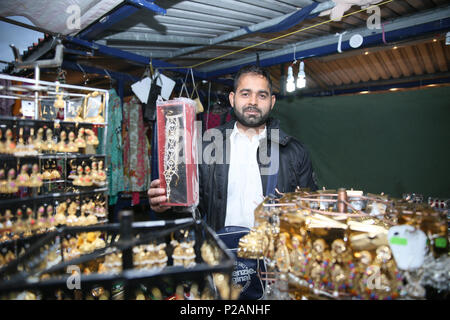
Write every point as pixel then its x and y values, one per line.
pixel 387 142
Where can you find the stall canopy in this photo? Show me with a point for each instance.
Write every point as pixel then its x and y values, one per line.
pixel 216 37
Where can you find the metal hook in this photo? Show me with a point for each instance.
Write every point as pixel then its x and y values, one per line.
pixel 295 60
pixel 152 72
pixel 61 76
pixel 84 74
pixel 110 78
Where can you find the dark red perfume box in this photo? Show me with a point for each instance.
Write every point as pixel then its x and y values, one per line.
pixel 177 151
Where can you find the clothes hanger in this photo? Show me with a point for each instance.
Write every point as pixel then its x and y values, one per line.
pixel 110 79
pixel 183 86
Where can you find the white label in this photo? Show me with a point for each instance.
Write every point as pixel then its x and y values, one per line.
pixel 166 85
pixel 408 245
pixel 28 108
pixel 142 89
pixel 356 41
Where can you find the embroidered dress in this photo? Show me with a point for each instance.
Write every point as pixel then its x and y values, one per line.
pixel 6 104
pixel 114 147
pixel 213 120
pixel 135 155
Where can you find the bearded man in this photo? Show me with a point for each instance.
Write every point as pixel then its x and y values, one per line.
pixel 249 158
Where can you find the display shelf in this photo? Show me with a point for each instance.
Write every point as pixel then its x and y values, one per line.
pixel 51 282
pixel 28 137
pixel 57 195
pixel 59 155
pixel 50 123
pixel 346 245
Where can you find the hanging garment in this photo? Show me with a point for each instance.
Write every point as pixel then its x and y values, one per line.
pixel 114 147
pixel 149 108
pixel 154 155
pixel 135 153
pixel 5 104
pixel 212 119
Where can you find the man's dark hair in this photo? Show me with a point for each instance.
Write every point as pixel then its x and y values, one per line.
pixel 255 70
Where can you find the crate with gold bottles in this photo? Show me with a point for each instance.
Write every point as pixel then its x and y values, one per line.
pixel 154 260
pixel 23 221
pixel 344 244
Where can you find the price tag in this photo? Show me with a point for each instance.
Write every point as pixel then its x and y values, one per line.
pixel 399 241
pixel 48 111
pixel 73 110
pixel 28 108
pixel 440 242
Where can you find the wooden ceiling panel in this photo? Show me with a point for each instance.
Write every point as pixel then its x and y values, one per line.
pixel 416 59
pixel 361 16
pixel 310 83
pixel 338 25
pixel 429 3
pixel 438 52
pixel 401 7
pixel 339 72
pixel 332 74
pixel 375 65
pixel 324 76
pixel 324 28
pixel 353 21
pixel 378 61
pixel 365 64
pixel 400 61
pixel 317 82
pixel 315 75
pixel 413 60
pixel 387 61
pixel 426 57
pixel 447 52
pixel 359 68
pixel 388 13
pixel 343 24
pixel 381 68
pixel 349 70
pixel 417 4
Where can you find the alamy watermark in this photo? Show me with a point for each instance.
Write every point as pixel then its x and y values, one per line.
pixel 214 147
pixel 74 280
pixel 73 22
pixel 374 280
pixel 374 20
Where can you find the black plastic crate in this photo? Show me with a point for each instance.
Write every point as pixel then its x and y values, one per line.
pixel 127 281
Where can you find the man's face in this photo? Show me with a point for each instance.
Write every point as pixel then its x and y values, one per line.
pixel 252 100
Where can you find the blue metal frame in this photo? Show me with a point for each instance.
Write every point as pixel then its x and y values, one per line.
pixel 125 77
pixel 118 14
pixel 370 88
pixel 104 24
pixel 121 78
pixel 131 56
pixel 141 59
pixel 116 75
pixel 147 4
pixel 396 35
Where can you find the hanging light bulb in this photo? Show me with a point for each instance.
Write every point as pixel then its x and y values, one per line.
pixel 301 78
pixel 290 85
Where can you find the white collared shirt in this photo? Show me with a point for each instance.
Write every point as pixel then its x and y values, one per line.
pixel 245 190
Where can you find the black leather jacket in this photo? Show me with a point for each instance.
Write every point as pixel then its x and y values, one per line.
pixel 295 169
